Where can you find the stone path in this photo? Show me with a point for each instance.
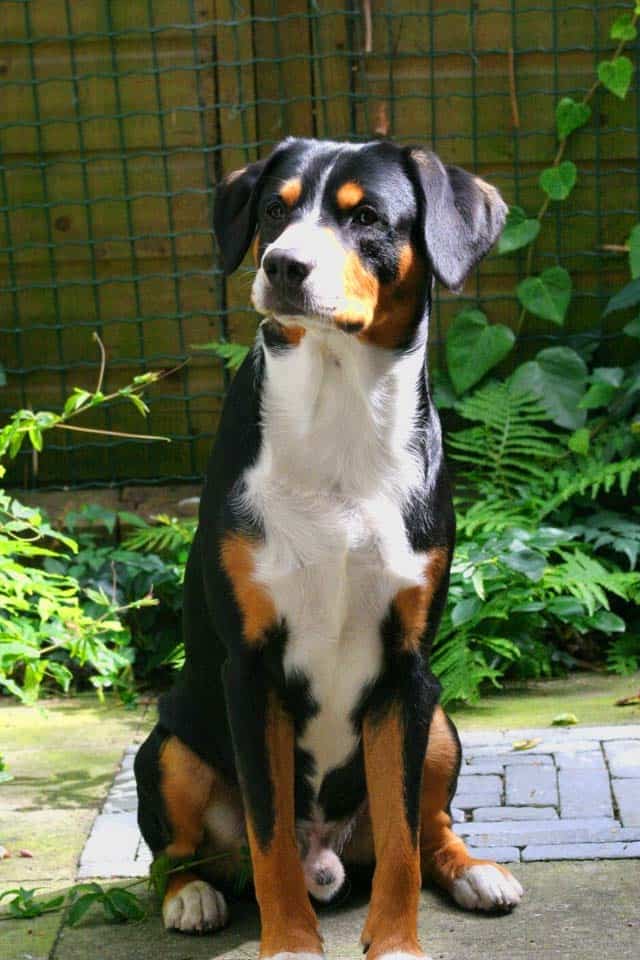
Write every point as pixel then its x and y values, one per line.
pixel 575 795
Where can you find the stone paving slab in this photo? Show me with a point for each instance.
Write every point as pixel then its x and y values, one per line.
pixel 570 911
pixel 574 795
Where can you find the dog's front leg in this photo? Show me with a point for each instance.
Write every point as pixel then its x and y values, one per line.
pixel 393 775
pixel 264 742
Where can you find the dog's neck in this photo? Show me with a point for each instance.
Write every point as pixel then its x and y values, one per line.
pixel 341 415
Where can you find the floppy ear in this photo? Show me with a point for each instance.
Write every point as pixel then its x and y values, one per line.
pixel 234 213
pixel 463 217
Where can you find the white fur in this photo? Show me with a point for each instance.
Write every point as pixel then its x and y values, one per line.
pixel 198 907
pixel 401 955
pixel 484 887
pixel 224 823
pixel 335 469
pixel 294 956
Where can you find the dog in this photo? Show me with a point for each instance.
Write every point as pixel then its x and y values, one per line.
pixel 306 719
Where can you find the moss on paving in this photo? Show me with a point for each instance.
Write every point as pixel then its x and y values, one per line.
pixel 62 755
pixel 590 696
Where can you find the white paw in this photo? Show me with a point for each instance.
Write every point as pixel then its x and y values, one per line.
pixel 484 887
pixel 401 955
pixel 197 908
pixel 294 956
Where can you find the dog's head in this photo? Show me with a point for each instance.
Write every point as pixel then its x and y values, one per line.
pixel 350 235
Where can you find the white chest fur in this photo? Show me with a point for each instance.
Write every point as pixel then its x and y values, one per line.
pixel 335 469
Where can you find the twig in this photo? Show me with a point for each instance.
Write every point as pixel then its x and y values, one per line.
pixel 109 433
pixel 103 361
pixel 368 26
pixel 614 247
pixel 513 91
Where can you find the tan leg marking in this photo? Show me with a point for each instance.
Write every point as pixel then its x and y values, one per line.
pixel 186 785
pixel 255 603
pixel 393 912
pixel 289 924
pixel 413 603
pixel 445 858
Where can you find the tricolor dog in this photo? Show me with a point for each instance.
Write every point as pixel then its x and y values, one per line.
pixel 306 720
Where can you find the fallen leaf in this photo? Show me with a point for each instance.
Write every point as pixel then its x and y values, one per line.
pixel 564 720
pixel 526 744
pixel 632 701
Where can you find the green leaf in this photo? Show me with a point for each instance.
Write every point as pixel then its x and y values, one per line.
pixel 616 75
pixel 530 562
pixel 123 904
pixel 232 353
pixel 547 295
pixel 634 251
pixel 564 720
pixel 623 28
pixel 629 296
pixel 558 182
pixel 557 377
pixel 465 610
pixel 80 907
pixel 519 231
pixel 159 874
pixel 570 116
pixel 474 347
pixel 598 395
pixel 632 329
pixel 579 441
pixel 607 622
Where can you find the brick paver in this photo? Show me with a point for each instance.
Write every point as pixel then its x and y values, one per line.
pixel 573 796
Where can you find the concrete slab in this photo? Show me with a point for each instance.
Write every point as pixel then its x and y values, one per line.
pixel 564 916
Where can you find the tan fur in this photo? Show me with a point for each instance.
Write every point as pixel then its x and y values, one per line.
pixel 393 911
pixel 255 603
pixel 413 603
pixel 186 783
pixel 290 191
pixel 444 855
pixel 288 920
pixel 349 195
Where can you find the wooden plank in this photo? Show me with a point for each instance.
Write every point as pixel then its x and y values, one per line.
pixel 332 66
pixel 48 18
pixel 236 94
pixel 283 71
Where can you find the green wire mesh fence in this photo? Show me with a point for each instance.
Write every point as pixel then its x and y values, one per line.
pixel 118 116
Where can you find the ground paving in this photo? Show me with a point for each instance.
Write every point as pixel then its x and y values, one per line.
pixel 64 801
pixel 574 794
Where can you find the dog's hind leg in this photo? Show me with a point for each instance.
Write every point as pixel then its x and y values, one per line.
pixel 176 792
pixel 474 884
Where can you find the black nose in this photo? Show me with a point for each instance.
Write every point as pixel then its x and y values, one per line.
pixel 324 877
pixel 285 270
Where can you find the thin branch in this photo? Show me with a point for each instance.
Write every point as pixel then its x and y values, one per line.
pixel 109 433
pixel 103 361
pixel 368 26
pixel 513 90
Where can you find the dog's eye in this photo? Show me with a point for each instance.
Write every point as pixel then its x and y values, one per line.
pixel 276 210
pixel 365 216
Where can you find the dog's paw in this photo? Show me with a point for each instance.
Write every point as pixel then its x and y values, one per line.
pixel 294 956
pixel 485 886
pixel 197 908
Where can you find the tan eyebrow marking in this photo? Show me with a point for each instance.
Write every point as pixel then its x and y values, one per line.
pixel 290 191
pixel 349 194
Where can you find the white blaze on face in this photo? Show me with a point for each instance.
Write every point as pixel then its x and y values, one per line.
pixel 310 242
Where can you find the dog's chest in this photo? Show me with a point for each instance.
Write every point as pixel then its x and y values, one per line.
pixel 329 487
